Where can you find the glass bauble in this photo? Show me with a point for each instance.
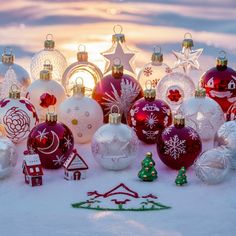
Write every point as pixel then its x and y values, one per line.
pixel 220 83
pixel 154 70
pixel 202 114
pixel 8 156
pixel 212 166
pixel 174 88
pixel 149 116
pixel 12 73
pixel 52 141
pixel 117 89
pixel 56 58
pixel 231 113
pixel 81 114
pixel 18 115
pixel 90 73
pixel 115 145
pixel 44 93
pixel 226 137
pixel 178 145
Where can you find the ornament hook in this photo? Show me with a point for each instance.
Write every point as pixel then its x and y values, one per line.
pixel 157 47
pixel 148 84
pixel 49 37
pixel 116 27
pixel 222 54
pixel 79 79
pixel 54 110
pixel 115 107
pixel 7 49
pixel 79 47
pixel 188 34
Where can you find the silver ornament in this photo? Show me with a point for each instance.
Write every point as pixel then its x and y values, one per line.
pixel 7 157
pixel 212 166
pixel 226 137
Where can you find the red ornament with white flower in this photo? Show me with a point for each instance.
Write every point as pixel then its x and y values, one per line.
pixel 45 92
pixel 178 145
pixel 18 115
pixel 117 89
pixel 52 141
pixel 220 83
pixel 149 116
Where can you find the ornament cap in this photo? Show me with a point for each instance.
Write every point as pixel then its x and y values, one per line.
pixel 47 65
pixel 117 68
pixel 200 92
pixel 118 37
pixel 45 74
pixel 14 93
pixel 115 117
pixel 222 60
pixel 179 121
pixel 188 41
pixel 157 56
pixel 49 43
pixel 51 117
pixel 8 57
pixel 150 93
pixel 82 55
pixel 149 154
pixel 79 88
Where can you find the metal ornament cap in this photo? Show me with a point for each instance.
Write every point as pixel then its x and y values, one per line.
pixel 82 56
pixel 8 57
pixel 78 89
pixel 14 94
pixel 200 92
pixel 187 43
pixel 157 57
pixel 45 74
pixel 117 69
pixel 150 93
pixel 179 121
pixel 221 60
pixel 114 118
pixel 51 117
pixel 48 66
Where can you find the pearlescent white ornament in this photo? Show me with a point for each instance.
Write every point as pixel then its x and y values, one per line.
pixel 202 114
pixel 115 146
pixel 226 137
pixel 82 115
pixel 212 166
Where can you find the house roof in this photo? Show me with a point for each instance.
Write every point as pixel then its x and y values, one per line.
pixel 32 160
pixel 32 165
pixel 75 162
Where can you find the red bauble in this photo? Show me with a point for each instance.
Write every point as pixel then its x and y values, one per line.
pixel 178 145
pixel 52 140
pixel 117 89
pixel 220 84
pixel 149 116
pixel 231 113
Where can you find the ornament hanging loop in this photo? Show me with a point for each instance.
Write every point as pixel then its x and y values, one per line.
pixel 82 55
pixel 117 29
pixel 188 41
pixel 188 34
pixel 83 48
pixel 148 84
pixel 49 37
pixel 8 51
pixel 79 79
pixel 222 54
pixel 7 56
pixel 49 42
pixel 157 49
pixel 222 59
pixel 115 107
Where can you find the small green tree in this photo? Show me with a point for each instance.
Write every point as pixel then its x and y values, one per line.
pixel 148 171
pixel 181 177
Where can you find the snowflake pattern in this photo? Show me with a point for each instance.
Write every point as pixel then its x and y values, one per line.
pixel 147 71
pixel 151 121
pixel 174 147
pixel 68 142
pixel 151 134
pixel 59 160
pixel 42 134
pixel 167 130
pixel 129 91
pixel 193 134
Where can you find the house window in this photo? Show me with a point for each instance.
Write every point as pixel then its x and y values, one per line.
pixel 37 169
pixel 31 170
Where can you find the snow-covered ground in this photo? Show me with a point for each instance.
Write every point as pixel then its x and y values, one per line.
pixel 197 209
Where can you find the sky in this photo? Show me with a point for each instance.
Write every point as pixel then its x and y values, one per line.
pixel 24 25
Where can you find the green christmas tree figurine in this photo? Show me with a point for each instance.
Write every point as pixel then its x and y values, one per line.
pixel 148 171
pixel 181 177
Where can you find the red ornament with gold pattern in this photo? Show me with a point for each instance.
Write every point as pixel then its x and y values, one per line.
pixel 220 83
pixel 149 116
pixel 179 145
pixel 52 141
pixel 117 89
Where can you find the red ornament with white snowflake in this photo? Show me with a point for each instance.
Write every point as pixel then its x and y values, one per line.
pixel 117 89
pixel 220 83
pixel 149 116
pixel 18 115
pixel 231 113
pixel 179 145
pixel 52 141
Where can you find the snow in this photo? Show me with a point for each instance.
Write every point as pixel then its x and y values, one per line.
pixel 197 209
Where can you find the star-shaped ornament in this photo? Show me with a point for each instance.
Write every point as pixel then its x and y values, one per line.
pixel 188 59
pixel 126 58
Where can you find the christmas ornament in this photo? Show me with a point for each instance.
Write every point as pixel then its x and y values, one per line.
pixel 120 198
pixel 81 114
pixel 202 114
pixel 121 51
pixel 32 169
pixel 187 58
pixel 82 68
pixel 117 89
pixel 220 83
pixel 174 88
pixel 45 92
pixel 212 166
pixel 8 156
pixel 11 73
pixel 148 116
pixel 18 115
pixel 181 178
pixel 226 137
pixel 148 171
pixel 52 141
pixel 75 168
pixel 56 58
pixel 231 113
pixel 178 145
pixel 154 70
pixel 115 145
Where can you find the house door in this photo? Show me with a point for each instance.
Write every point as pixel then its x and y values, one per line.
pixel 77 175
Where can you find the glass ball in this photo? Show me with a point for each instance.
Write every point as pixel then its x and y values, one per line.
pixel 174 88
